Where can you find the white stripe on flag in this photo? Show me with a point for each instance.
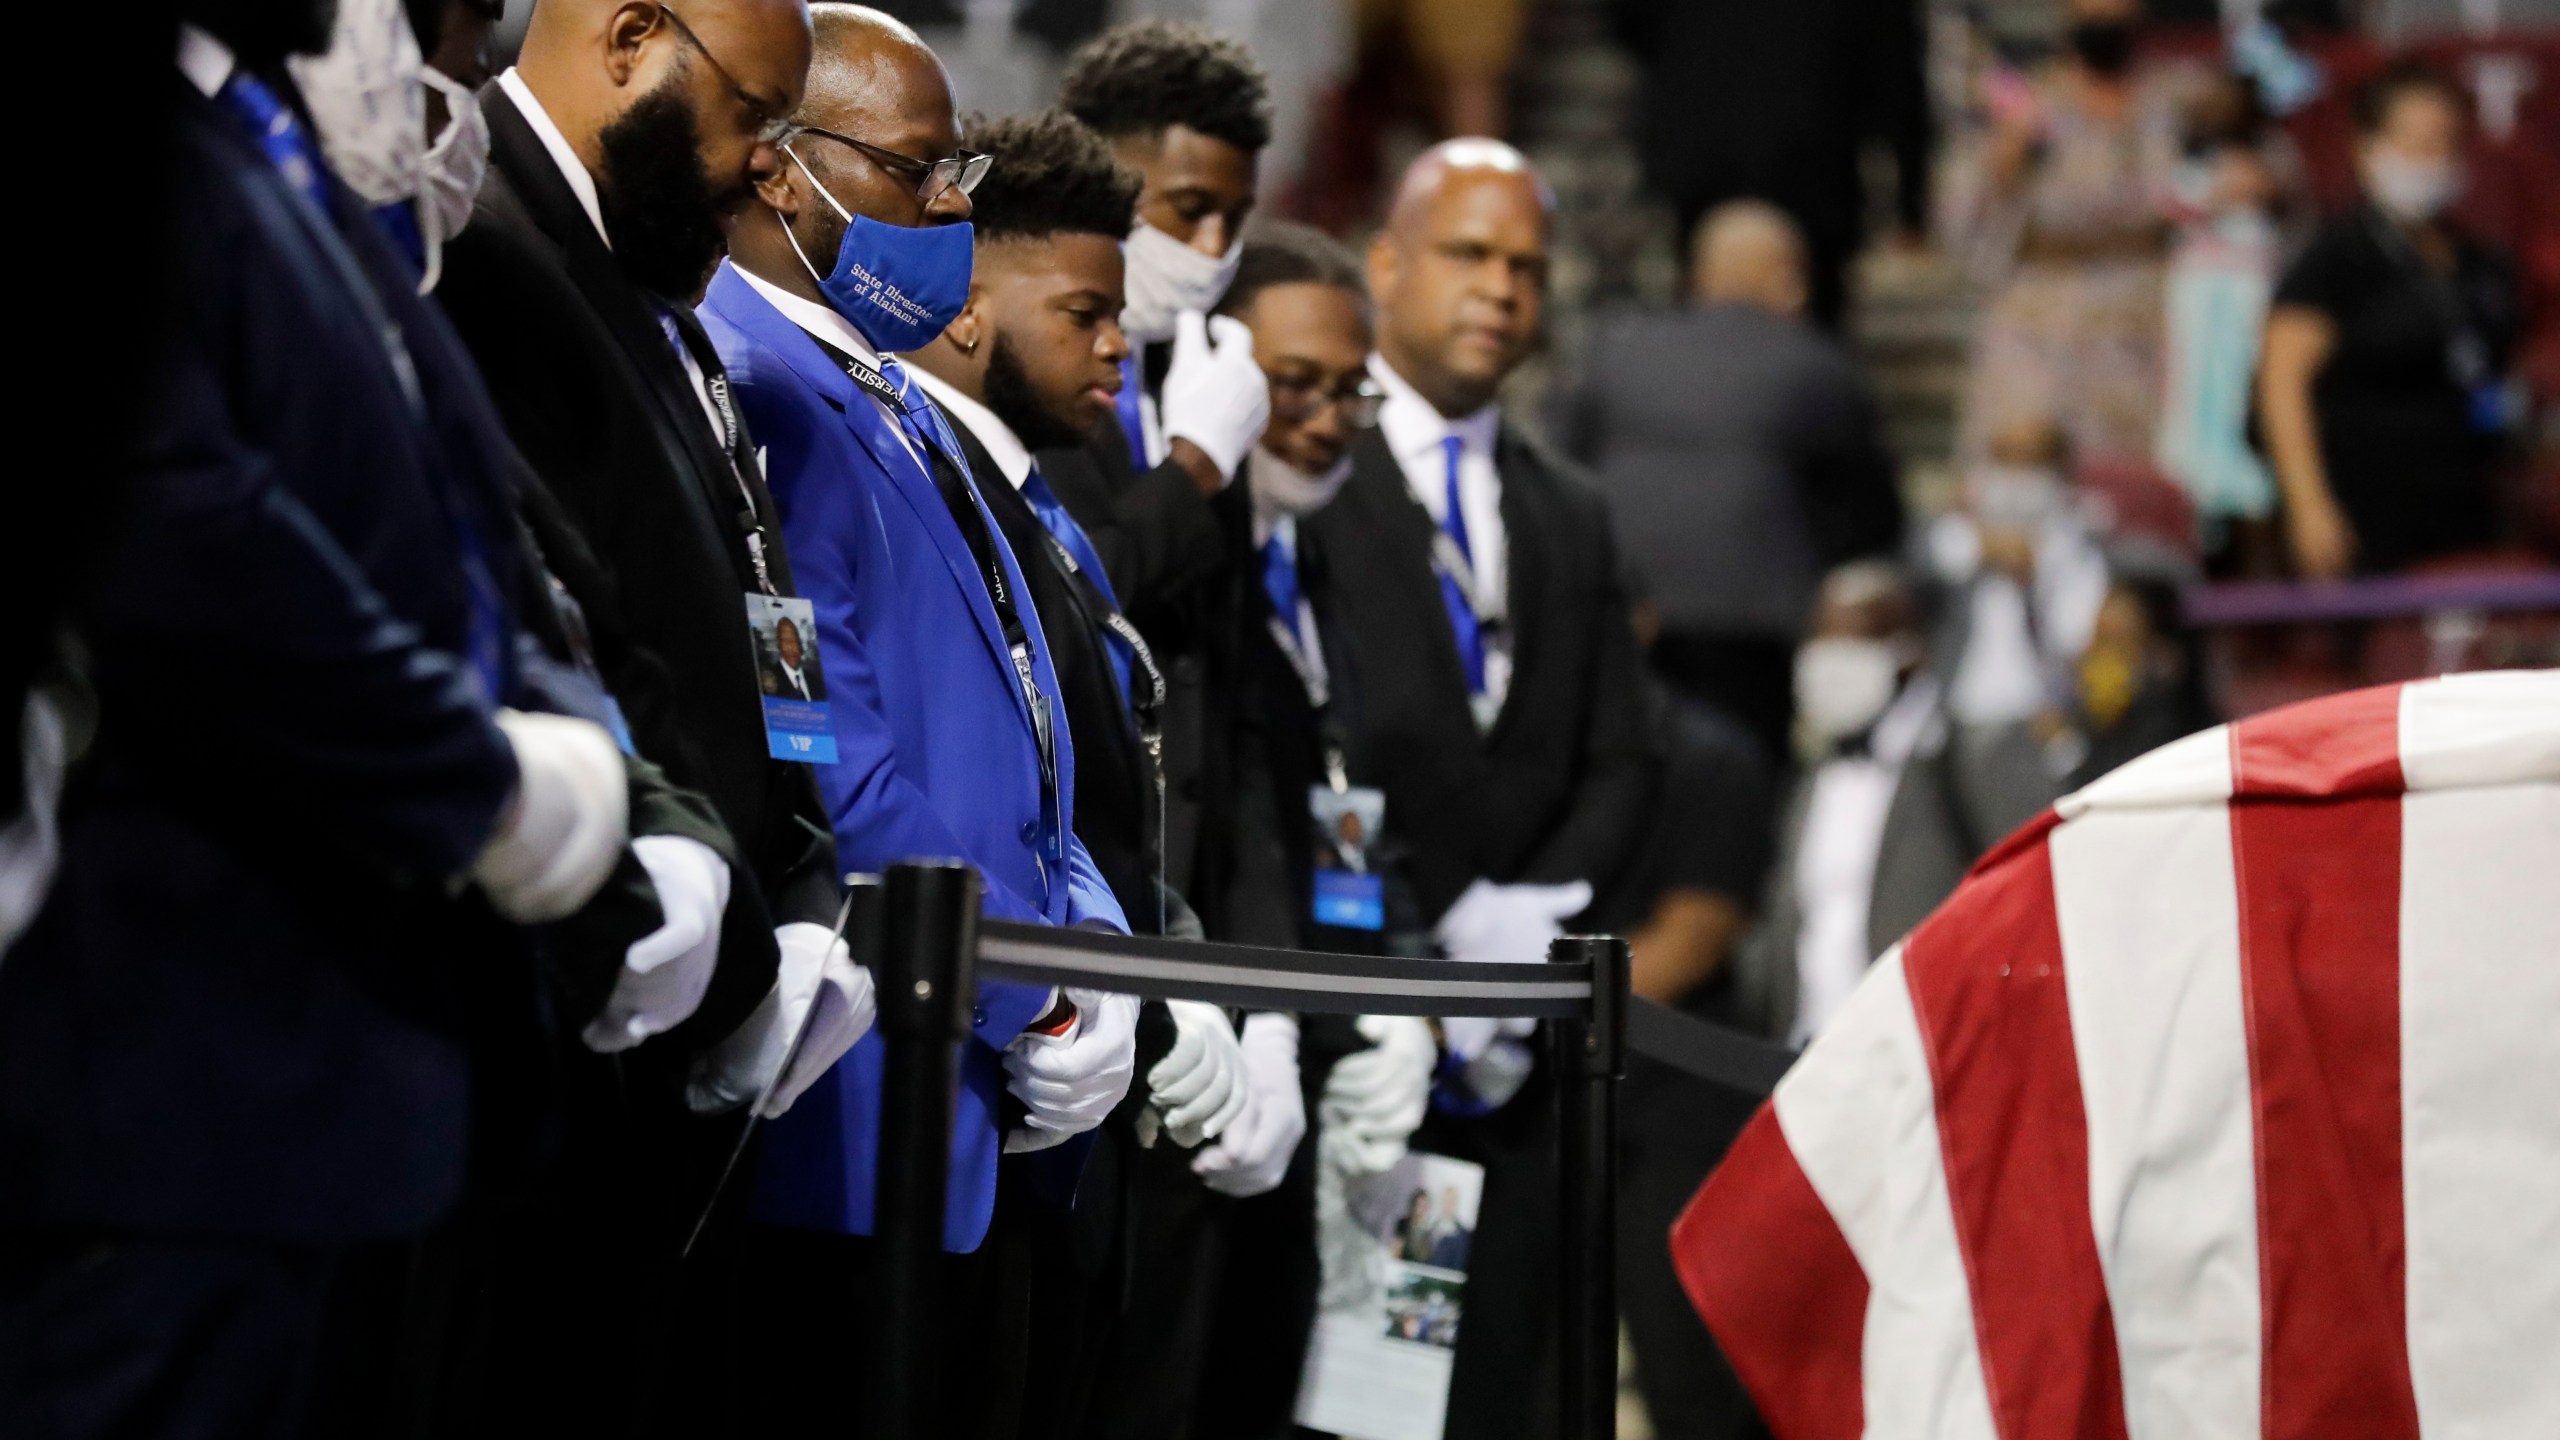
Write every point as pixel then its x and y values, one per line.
pixel 2480 729
pixel 2480 1106
pixel 2151 945
pixel 1860 1116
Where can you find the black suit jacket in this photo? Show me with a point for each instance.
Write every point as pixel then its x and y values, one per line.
pixel 1557 790
pixel 1159 538
pixel 1115 799
pixel 239 1013
pixel 646 532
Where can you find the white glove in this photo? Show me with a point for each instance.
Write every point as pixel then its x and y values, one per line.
pixel 1199 1087
pixel 1375 1099
pixel 1253 1154
pixel 1215 396
pixel 817 973
pixel 1509 924
pixel 1070 1082
pixel 562 835
pixel 665 971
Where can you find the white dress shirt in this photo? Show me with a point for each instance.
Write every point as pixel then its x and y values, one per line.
pixel 1835 871
pixel 206 62
pixel 833 329
pixel 564 157
pixel 796 679
pixel 1002 445
pixel 1413 430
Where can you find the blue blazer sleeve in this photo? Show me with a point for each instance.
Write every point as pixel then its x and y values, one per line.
pixel 1089 897
pixel 269 650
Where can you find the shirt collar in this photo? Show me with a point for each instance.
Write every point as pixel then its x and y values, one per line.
pixel 206 62
pixel 1003 446
pixel 563 154
pixel 817 319
pixel 1414 428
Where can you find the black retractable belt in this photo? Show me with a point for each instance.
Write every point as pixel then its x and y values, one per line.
pixel 932 948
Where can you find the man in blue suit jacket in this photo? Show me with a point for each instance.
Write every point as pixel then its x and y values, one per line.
pixel 233 1044
pixel 940 683
pixel 940 739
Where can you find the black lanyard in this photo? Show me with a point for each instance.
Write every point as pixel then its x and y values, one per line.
pixel 949 481
pixel 715 380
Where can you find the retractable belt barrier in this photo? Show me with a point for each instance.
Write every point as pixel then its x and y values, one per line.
pixel 920 932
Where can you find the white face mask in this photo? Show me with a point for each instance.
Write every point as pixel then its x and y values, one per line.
pixel 456 163
pixel 1280 488
pixel 1843 684
pixel 366 98
pixel 1167 277
pixel 2411 191
pixel 2014 497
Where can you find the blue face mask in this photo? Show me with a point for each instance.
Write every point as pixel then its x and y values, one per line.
pixel 900 287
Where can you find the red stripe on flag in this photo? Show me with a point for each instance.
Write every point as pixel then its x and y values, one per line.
pixel 2320 964
pixel 2338 745
pixel 1986 979
pixel 1772 1276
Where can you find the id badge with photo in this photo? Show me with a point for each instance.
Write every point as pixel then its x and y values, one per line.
pixel 1349 893
pixel 784 630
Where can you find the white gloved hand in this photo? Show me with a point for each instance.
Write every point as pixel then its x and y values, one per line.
pixel 563 833
pixel 1215 396
pixel 1375 1099
pixel 666 971
pixel 1509 924
pixel 816 982
pixel 1253 1154
pixel 1070 1082
pixel 1199 1086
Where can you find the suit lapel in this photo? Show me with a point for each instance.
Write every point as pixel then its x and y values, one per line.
pixel 684 430
pixel 1401 532
pixel 739 304
pixel 1524 524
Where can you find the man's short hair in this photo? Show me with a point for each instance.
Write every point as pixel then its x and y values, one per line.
pixel 1282 253
pixel 1051 176
pixel 2408 75
pixel 1142 79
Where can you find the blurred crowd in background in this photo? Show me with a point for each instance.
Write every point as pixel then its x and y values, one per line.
pixel 1982 393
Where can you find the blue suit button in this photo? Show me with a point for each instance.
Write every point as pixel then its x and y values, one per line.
pixel 1030 831
pixel 978 1016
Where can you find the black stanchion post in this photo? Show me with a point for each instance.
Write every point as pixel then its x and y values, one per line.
pixel 924 974
pixel 1592 1058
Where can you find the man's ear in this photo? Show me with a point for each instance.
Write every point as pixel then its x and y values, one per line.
pixel 779 194
pixel 973 326
pixel 626 30
pixel 1382 270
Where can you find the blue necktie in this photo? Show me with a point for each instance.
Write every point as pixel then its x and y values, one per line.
pixel 1133 421
pixel 1463 624
pixel 1079 547
pixel 920 419
pixel 279 133
pixel 1280 582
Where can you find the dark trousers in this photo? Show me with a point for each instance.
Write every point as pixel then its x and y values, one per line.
pixel 1672 1131
pixel 172 1340
pixel 1198 1305
pixel 816 1299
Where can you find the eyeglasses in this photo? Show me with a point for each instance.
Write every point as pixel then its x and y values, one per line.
pixel 1295 400
pixel 961 170
pixel 769 129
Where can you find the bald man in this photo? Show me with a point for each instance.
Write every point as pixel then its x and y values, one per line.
pixel 946 719
pixel 620 143
pixel 1743 454
pixel 1475 585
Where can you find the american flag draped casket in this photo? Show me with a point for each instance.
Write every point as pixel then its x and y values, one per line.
pixel 2221 1101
